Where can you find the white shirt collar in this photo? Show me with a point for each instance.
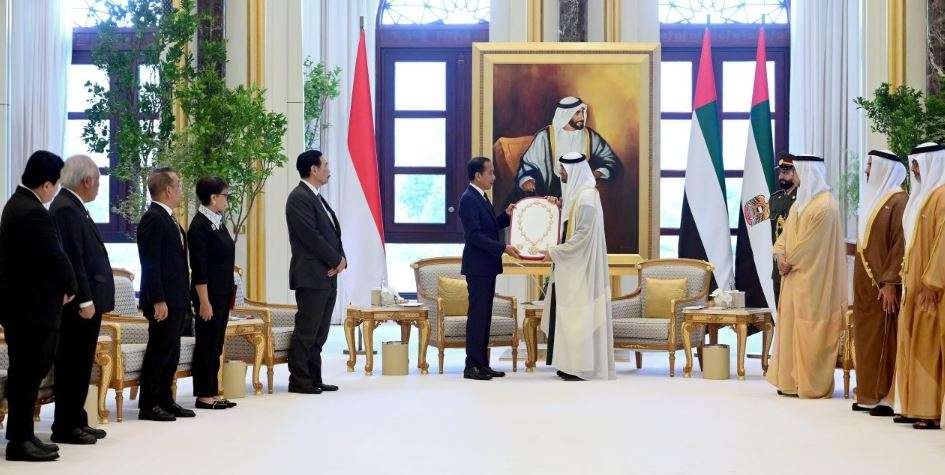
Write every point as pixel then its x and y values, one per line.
pixel 483 193
pixel 311 187
pixel 166 207
pixel 215 218
pixel 77 197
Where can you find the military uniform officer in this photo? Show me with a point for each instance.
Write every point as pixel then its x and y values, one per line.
pixel 780 204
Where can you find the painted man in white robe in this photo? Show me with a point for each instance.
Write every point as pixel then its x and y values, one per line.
pixel 577 305
pixel 538 171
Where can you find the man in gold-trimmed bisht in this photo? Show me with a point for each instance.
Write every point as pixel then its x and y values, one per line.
pixel 811 257
pixel 920 382
pixel 876 281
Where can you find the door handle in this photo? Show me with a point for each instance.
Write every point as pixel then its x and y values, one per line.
pixel 451 209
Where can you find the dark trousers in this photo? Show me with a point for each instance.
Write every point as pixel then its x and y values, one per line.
pixel 209 345
pixel 73 368
pixel 479 319
pixel 312 322
pixel 31 351
pixel 160 359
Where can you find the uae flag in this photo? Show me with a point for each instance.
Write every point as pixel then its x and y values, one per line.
pixel 704 230
pixel 753 254
pixel 362 224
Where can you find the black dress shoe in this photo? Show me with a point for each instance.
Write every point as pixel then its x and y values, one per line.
pixel 179 411
pixel 75 437
pixel 568 376
pixel 477 374
pixel 327 387
pixel 29 452
pixel 228 403
pixel 98 433
pixel 858 408
pixel 882 411
pixel 217 405
pixel 782 393
pixel 492 372
pixel 44 446
pixel 305 389
pixel 904 420
pixel 156 413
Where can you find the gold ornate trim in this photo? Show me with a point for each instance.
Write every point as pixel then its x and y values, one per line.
pixel 612 20
pixel 255 230
pixel 896 31
pixel 536 20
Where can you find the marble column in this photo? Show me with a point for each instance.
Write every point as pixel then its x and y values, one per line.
pixel 936 44
pixel 572 20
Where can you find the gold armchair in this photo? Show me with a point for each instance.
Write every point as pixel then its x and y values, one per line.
pixel 633 331
pixel 450 331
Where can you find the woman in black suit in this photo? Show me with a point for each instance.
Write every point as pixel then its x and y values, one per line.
pixel 212 254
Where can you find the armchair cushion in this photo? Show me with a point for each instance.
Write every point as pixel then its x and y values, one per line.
pixel 455 295
pixel 454 327
pixel 642 328
pixel 661 293
pixel 125 302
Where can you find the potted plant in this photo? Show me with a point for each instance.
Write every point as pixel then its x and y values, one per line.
pixel 321 84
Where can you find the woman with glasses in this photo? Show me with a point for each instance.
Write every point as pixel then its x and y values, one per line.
pixel 212 254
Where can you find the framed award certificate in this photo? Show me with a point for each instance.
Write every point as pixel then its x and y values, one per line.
pixel 535 226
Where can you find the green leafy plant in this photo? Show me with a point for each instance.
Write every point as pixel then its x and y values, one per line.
pixel 141 126
pixel 321 85
pixel 229 134
pixel 899 114
pixel 849 185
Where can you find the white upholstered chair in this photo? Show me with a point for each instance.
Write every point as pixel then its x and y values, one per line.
pixel 450 331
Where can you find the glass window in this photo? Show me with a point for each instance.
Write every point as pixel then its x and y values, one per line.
pixel 420 142
pixel 671 201
pixel 733 197
pixel 669 247
pixel 723 11
pixel 125 256
pixel 674 143
pixel 738 84
pixel 99 209
pixel 419 198
pixel 420 86
pixel 419 12
pixel 78 98
pixel 74 144
pixel 88 13
pixel 734 143
pixel 400 255
pixel 676 86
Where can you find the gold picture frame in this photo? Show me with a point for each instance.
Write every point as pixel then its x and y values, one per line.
pixel 629 71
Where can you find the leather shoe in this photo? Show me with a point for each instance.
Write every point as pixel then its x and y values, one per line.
pixel 327 387
pixel 44 446
pixel 904 420
pixel 210 405
pixel 882 411
pixel 75 437
pixel 858 408
pixel 98 433
pixel 568 376
pixel 305 389
pixel 229 404
pixel 156 413
pixel 28 451
pixel 179 411
pixel 492 372
pixel 477 374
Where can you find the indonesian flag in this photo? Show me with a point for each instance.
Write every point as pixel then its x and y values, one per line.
pixel 753 256
pixel 704 231
pixel 362 225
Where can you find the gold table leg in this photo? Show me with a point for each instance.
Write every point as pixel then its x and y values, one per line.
pixel 106 367
pixel 686 329
pixel 767 333
pixel 350 323
pixel 530 332
pixel 258 343
pixel 368 326
pixel 423 327
pixel 404 331
pixel 742 330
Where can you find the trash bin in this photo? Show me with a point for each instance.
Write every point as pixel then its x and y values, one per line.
pixel 715 362
pixel 394 359
pixel 234 379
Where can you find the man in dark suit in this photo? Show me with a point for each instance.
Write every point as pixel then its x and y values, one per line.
pixel 165 296
pixel 317 258
pixel 482 262
pixel 81 318
pixel 36 280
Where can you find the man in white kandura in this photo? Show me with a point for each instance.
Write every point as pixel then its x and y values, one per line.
pixel 579 328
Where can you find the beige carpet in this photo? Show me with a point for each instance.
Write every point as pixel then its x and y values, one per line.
pixel 642 423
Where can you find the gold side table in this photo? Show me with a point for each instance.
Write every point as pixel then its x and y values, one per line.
pixel 368 317
pixel 737 318
pixel 253 330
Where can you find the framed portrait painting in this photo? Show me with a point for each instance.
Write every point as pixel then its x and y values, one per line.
pixel 535 102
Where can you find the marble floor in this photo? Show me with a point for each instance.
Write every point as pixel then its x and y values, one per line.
pixel 642 423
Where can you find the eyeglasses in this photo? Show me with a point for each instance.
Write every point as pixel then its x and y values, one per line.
pixel 225 195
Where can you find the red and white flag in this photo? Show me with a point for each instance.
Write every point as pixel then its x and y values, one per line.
pixel 362 224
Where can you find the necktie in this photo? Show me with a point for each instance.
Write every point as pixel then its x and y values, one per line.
pixel 487 199
pixel 331 216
